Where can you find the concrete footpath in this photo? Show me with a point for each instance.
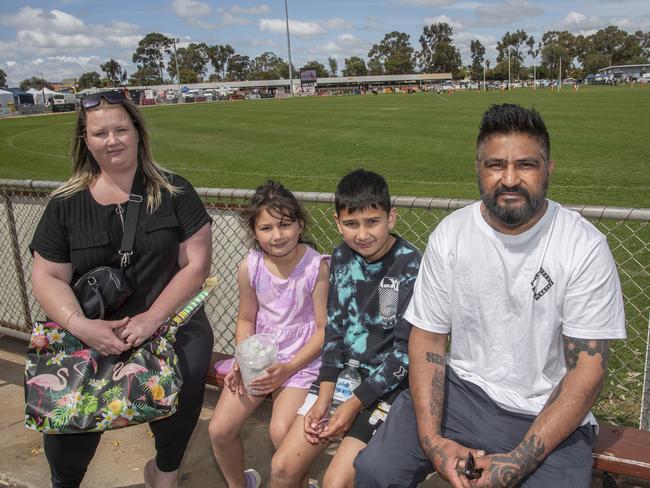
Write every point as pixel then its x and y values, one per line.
pixel 123 453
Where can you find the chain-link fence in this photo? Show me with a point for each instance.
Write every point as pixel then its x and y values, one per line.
pixel 625 399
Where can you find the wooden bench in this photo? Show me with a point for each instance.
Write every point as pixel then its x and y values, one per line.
pixel 622 454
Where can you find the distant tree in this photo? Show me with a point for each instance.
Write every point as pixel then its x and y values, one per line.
pixel 533 52
pixel 643 38
pixel 321 71
pixel 478 57
pixel 556 46
pixel 515 44
pixel 375 67
pixel 219 56
pixel 192 62
pixel 238 68
pixel 394 54
pixel 151 52
pixel 89 80
pixel 268 66
pixel 3 79
pixel 438 53
pixel 115 75
pixel 283 70
pixel 355 66
pixel 334 66
pixel 35 82
pixel 147 75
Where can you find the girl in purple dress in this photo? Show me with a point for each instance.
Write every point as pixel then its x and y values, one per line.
pixel 283 286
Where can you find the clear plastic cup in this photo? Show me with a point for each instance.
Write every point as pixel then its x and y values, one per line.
pixel 254 355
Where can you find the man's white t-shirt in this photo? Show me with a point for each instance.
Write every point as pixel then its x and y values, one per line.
pixel 508 299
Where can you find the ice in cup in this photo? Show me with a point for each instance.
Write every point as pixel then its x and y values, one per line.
pixel 254 355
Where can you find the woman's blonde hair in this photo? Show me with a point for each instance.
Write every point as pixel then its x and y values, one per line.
pixel 85 168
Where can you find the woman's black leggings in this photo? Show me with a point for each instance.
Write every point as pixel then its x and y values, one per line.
pixel 70 454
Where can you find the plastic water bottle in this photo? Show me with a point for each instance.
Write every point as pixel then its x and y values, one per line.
pixel 346 383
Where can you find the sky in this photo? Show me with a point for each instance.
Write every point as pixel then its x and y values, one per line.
pixel 59 39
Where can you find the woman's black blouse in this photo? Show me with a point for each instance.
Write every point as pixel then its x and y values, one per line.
pixel 80 231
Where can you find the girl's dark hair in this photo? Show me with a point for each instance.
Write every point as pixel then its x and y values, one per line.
pixel 279 202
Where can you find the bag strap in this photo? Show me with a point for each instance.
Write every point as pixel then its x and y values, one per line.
pixel 132 213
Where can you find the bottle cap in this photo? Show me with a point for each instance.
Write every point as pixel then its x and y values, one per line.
pixel 353 362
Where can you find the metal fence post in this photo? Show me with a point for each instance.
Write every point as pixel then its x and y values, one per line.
pixel 15 248
pixel 645 401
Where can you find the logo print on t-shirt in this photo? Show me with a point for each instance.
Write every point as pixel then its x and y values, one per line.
pixel 388 294
pixel 541 283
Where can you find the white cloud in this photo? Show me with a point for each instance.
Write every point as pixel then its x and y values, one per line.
pixel 187 9
pixel 433 3
pixel 338 23
pixel 262 9
pixel 506 12
pixel 443 19
pixel 463 40
pixel 54 21
pixel 344 46
pixel 296 27
pixel 578 22
pixel 50 40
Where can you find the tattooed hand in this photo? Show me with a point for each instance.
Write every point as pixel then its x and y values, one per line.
pixel 445 456
pixel 508 470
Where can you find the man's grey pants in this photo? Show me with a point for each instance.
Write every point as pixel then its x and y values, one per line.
pixel 394 458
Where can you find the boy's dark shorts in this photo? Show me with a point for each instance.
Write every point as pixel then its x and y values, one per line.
pixel 369 419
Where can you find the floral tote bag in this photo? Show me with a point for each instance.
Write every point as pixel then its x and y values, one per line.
pixel 69 388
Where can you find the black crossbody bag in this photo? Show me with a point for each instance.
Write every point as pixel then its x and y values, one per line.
pixel 104 289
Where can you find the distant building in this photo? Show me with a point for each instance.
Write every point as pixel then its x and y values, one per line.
pixel 622 72
pixel 333 83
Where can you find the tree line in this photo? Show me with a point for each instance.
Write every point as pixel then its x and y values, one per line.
pixel 158 60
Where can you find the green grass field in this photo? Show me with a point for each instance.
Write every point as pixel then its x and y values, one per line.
pixel 423 144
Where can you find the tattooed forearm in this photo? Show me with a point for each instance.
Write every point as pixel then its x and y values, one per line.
pixel 508 470
pixel 555 394
pixel 435 358
pixel 573 347
pixel 436 403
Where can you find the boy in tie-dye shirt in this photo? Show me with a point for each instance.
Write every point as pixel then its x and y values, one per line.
pixel 372 274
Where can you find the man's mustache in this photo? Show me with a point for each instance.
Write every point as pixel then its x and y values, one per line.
pixel 514 189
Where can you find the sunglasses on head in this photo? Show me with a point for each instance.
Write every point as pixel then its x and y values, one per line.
pixel 112 97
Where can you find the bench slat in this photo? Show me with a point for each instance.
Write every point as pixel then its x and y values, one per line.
pixel 623 450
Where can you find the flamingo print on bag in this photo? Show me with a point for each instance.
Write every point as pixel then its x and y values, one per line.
pixel 47 381
pixel 131 369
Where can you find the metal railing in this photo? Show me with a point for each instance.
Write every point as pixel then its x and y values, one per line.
pixel 625 398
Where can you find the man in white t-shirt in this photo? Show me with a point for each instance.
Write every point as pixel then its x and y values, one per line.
pixel 530 294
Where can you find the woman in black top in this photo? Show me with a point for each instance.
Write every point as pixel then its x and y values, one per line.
pixel 82 228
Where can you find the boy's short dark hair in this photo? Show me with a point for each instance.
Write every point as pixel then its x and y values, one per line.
pixel 362 189
pixel 508 118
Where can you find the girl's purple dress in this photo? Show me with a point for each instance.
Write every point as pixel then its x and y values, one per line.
pixel 286 309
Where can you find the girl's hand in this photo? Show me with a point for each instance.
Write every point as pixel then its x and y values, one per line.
pixel 99 335
pixel 276 374
pixel 316 420
pixel 233 380
pixel 342 419
pixel 139 329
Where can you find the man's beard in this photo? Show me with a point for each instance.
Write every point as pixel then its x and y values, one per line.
pixel 513 216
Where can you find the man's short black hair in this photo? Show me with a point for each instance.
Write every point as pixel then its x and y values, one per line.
pixel 508 118
pixel 362 189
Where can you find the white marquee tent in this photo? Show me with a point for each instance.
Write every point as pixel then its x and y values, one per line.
pixel 41 96
pixel 6 97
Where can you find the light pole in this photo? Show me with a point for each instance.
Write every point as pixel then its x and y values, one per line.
pixel 178 78
pixel 484 86
pixel 509 82
pixel 286 16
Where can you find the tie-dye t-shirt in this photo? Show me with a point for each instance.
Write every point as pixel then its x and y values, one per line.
pixel 365 321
